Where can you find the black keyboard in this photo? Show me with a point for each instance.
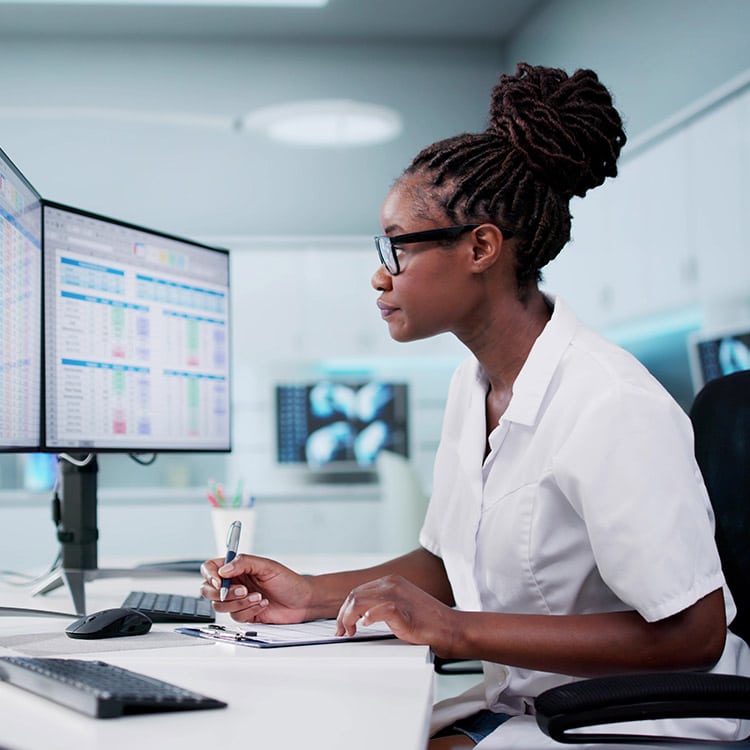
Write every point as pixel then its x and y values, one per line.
pixel 99 689
pixel 171 607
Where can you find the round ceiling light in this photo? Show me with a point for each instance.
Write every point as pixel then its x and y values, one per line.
pixel 325 122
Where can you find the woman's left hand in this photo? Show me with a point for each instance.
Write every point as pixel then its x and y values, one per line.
pixel 413 615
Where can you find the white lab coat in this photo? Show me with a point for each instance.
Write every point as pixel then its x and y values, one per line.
pixel 590 501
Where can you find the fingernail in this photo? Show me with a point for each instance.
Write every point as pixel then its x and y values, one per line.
pixel 216 582
pixel 240 591
pixel 256 597
pixel 228 568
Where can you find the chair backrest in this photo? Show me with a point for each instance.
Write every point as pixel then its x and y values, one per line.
pixel 721 421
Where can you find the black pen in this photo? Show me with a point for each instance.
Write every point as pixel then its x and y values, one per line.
pixel 233 541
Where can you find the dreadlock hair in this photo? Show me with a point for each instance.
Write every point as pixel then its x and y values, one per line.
pixel 550 136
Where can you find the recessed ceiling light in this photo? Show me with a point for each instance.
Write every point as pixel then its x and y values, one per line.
pixel 321 123
pixel 325 122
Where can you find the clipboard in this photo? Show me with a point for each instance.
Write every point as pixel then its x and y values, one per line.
pixel 261 635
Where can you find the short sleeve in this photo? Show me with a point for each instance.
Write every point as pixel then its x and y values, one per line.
pixel 629 471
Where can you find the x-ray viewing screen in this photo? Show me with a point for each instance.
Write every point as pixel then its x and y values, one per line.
pixel 333 424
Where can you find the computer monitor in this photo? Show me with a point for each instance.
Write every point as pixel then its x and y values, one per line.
pixel 136 360
pixel 718 352
pixel 136 335
pixel 20 311
pixel 340 425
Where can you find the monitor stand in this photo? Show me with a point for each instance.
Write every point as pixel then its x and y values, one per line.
pixel 78 534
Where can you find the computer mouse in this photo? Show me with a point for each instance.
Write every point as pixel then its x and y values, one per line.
pixel 109 623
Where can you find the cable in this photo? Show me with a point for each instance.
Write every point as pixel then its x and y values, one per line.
pixel 76 461
pixel 14 577
pixel 135 458
pixel 7 576
pixel 25 579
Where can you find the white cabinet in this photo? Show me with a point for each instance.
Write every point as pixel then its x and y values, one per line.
pixel 719 200
pixel 667 251
pixel 623 287
pixel 671 231
pixel 581 272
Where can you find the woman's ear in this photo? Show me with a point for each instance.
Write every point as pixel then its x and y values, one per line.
pixel 487 246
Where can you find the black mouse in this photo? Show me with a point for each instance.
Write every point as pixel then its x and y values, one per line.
pixel 109 623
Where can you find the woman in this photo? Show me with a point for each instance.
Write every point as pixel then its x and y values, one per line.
pixel 569 533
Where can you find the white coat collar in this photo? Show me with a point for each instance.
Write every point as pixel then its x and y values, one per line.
pixel 535 376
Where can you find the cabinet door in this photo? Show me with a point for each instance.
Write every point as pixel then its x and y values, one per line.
pixel 601 272
pixel 580 274
pixel 624 292
pixel 668 253
pixel 717 201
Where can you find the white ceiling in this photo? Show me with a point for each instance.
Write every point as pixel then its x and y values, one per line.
pixel 114 108
pixel 342 20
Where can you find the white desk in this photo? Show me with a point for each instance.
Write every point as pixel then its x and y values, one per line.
pixel 333 697
pixel 368 695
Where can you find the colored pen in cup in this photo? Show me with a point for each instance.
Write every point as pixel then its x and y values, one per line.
pixel 233 541
pixel 238 495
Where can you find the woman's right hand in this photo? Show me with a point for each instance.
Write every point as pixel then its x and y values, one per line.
pixel 262 590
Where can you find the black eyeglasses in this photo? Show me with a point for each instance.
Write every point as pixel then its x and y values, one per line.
pixel 387 245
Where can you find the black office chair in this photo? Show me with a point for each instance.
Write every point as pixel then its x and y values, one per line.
pixel 721 422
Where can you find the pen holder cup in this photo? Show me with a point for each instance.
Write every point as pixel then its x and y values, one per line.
pixel 221 520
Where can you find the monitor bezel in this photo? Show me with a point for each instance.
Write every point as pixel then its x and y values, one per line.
pixel 84 450
pixel 696 338
pixel 36 448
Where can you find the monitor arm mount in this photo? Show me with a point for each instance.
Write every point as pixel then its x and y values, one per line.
pixel 74 512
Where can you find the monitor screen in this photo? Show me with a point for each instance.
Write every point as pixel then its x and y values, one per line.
pixel 340 425
pixel 136 337
pixel 719 352
pixel 20 311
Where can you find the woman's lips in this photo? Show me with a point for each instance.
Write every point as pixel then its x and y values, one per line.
pixel 385 310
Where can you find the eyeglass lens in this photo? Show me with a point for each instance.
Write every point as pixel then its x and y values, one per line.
pixel 387 255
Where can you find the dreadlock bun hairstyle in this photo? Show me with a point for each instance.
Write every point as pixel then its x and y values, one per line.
pixel 565 127
pixel 550 136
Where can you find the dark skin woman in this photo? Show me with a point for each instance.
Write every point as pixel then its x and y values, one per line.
pixel 495 210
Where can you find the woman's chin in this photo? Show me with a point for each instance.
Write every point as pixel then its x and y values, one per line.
pixel 404 335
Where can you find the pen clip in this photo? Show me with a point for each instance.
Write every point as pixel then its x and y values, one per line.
pixel 221 633
pixel 233 536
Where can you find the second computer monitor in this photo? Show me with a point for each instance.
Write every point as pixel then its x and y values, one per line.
pixel 20 310
pixel 718 352
pixel 136 337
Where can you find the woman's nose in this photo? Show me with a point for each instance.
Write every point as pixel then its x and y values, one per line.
pixel 381 279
